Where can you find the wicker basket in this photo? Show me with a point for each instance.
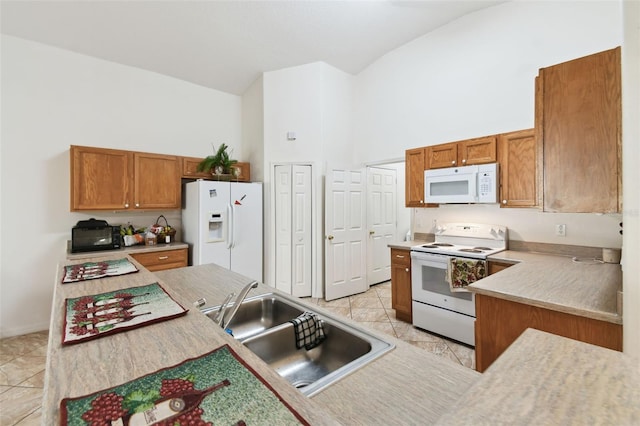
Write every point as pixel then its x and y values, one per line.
pixel 163 234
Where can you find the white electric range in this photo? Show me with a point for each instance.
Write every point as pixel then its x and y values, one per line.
pixel 435 307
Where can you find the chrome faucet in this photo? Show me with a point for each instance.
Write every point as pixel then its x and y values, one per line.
pixel 225 319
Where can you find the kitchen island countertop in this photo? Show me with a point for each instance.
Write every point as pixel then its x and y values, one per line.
pixel 544 379
pixel 403 385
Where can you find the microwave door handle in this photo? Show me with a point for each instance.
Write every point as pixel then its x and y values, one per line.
pixel 474 186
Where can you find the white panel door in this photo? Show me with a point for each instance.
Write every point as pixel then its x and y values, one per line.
pixel 293 260
pixel 283 190
pixel 301 231
pixel 381 222
pixel 346 233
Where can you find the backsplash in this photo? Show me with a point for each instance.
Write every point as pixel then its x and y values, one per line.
pixel 531 225
pixel 137 219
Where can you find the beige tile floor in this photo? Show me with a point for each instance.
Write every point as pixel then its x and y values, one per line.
pixel 22 358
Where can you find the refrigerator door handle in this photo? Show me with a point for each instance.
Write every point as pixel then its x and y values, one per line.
pixel 233 226
pixel 229 226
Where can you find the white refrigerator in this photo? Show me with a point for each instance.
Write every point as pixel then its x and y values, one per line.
pixel 222 223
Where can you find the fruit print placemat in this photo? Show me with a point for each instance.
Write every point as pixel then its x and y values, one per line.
pixel 89 317
pixel 93 270
pixel 215 388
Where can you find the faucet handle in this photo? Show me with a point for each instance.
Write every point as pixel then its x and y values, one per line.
pixel 223 308
pixel 200 302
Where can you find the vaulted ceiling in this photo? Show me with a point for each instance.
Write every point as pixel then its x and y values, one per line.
pixel 226 45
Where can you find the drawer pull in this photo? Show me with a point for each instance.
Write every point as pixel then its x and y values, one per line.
pixel 163 257
pixel 401 257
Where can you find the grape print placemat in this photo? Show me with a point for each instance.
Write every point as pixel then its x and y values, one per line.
pixel 89 317
pixel 93 270
pixel 215 388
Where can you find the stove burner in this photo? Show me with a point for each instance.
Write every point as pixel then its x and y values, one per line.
pixel 442 245
pixel 482 248
pixel 471 250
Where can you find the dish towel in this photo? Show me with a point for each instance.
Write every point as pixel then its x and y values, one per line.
pixel 309 330
pixel 462 272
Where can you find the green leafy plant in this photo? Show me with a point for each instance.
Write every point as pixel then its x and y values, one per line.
pixel 220 158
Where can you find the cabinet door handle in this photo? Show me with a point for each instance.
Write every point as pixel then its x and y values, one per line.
pixel 406 269
pixel 137 204
pixel 464 160
pixel 163 257
pixel 126 205
pixel 453 162
pixel 504 201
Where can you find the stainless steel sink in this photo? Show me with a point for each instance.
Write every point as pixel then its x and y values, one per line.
pixel 262 325
pixel 257 314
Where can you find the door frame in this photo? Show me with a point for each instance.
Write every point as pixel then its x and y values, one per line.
pixel 400 194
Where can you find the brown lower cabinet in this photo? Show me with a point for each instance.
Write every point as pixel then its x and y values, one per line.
pixel 499 322
pixel 401 284
pixel 163 259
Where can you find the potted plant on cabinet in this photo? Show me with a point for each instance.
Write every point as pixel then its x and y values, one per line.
pixel 219 163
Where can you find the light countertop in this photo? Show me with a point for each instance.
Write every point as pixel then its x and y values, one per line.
pixel 556 283
pixel 401 386
pixel 544 379
pixel 405 245
pixel 552 282
pixel 140 248
pixel 541 378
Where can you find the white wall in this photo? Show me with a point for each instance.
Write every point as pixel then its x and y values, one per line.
pixel 253 129
pixel 631 176
pixel 475 77
pixel 315 102
pixel 52 98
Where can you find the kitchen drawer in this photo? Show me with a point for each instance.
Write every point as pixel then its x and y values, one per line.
pixel 401 257
pixel 162 259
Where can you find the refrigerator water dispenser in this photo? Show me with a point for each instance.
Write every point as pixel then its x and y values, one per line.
pixel 216 228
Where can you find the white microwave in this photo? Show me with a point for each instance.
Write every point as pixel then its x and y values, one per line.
pixel 468 184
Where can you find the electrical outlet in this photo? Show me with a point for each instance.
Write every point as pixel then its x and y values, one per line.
pixel 561 230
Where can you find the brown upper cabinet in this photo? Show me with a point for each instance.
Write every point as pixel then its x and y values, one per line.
pixel 110 179
pixel 518 158
pixel 414 175
pixel 463 153
pixel 453 154
pixel 578 117
pixel 190 170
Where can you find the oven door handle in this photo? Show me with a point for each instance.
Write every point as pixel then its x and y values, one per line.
pixel 422 259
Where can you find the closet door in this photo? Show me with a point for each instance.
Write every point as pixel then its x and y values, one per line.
pixel 293 229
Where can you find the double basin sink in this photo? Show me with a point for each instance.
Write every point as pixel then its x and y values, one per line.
pixel 262 325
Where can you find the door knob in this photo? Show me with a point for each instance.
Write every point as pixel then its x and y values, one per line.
pixel 330 237
pixel 372 232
